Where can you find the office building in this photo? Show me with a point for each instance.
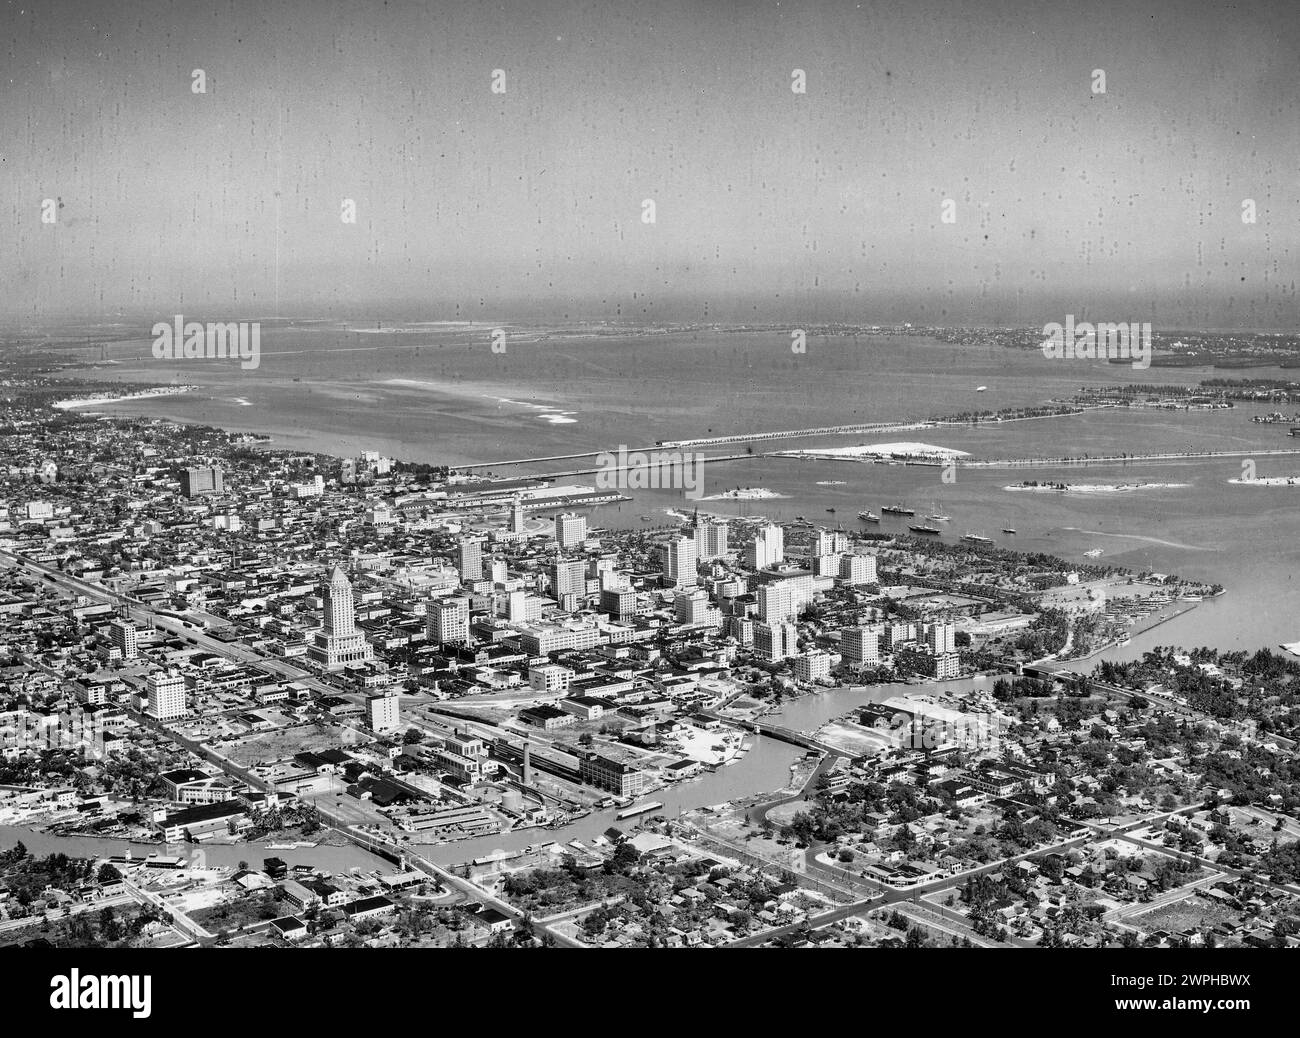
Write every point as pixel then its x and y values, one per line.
pixel 568 582
pixel 469 558
pixel 448 621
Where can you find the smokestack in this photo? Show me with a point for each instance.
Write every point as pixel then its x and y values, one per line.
pixel 528 766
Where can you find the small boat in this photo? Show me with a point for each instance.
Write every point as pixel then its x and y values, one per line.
pixel 830 510
pixel 1007 529
pixel 1092 554
pixel 981 389
pixel 974 538
pixel 869 517
pixel 936 518
pixel 647 518
pixel 924 529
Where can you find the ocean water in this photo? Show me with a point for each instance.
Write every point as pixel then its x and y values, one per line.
pixel 439 394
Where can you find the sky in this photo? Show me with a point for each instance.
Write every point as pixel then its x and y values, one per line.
pixel 768 204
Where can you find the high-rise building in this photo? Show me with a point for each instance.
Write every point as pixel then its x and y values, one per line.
pixel 619 603
pixel 784 599
pixel 693 607
pixel 710 539
pixel 339 643
pixel 122 633
pixel 570 530
pixel 385 712
pixel 941 637
pixel 517 515
pixel 775 641
pixel 767 548
pixel 568 582
pixel 860 646
pixel 813 666
pixel 858 569
pixel 469 558
pixel 828 542
pixel 204 480
pixel 448 621
pixel 742 629
pixel 165 691
pixel 679 561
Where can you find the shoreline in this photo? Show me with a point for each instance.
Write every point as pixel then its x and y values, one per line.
pixel 100 401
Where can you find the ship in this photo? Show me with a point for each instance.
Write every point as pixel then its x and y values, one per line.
pixel 898 510
pixel 974 538
pixel 923 529
pixel 868 517
pixel 937 518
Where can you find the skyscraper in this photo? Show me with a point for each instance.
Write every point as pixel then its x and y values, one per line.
pixel 570 529
pixel 469 558
pixel 767 548
pixel 679 561
pixel 568 582
pixel 339 643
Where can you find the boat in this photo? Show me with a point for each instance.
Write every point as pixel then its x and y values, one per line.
pixel 868 517
pixel 1007 529
pixel 923 529
pixel 1092 554
pixel 937 518
pixel 898 510
pixel 647 518
pixel 830 510
pixel 974 538
pixel 638 809
pixel 981 389
pixel 800 519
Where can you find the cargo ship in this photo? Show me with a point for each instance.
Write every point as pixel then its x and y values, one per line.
pixel 638 809
pixel 897 510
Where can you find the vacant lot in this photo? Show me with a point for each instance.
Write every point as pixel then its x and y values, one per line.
pixel 281 745
pixel 1193 912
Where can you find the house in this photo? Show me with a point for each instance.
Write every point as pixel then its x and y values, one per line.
pixel 495 921
pixel 290 927
pixel 368 907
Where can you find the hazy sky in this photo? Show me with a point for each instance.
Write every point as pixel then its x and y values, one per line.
pixel 767 202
